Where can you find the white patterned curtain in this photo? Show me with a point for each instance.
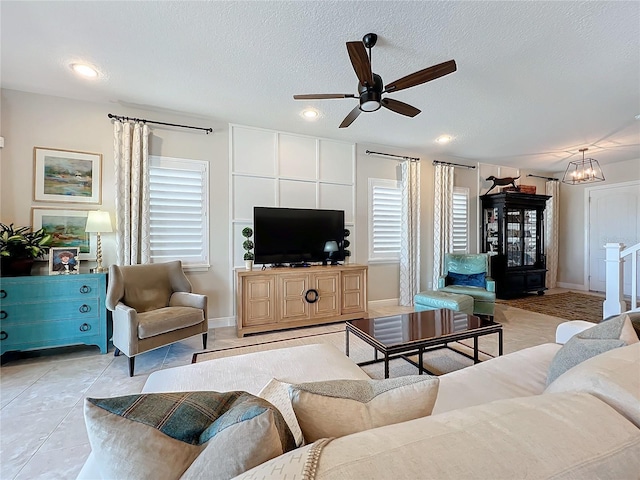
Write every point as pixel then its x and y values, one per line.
pixel 410 238
pixel 442 218
pixel 552 188
pixel 131 156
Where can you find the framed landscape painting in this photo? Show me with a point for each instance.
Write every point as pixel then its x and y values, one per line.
pixel 66 228
pixel 66 176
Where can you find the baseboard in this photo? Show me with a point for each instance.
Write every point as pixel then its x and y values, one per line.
pixel 571 286
pixel 388 302
pixel 222 322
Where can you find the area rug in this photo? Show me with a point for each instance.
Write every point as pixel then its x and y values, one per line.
pixel 567 305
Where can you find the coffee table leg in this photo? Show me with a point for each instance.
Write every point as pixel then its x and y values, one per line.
pixel 475 349
pixel 386 365
pixel 500 342
pixel 420 362
pixel 346 346
pixel 375 353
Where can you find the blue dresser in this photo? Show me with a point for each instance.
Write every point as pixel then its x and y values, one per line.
pixel 52 311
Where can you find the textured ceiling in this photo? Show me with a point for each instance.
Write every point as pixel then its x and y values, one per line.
pixel 536 81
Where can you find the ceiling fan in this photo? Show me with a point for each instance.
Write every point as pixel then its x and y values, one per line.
pixel 371 88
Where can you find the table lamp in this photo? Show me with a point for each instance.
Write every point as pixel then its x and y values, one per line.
pixel 331 247
pixel 98 221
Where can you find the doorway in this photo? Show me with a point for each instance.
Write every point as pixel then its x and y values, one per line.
pixel 614 217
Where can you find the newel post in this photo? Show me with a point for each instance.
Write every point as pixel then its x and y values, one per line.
pixel 614 301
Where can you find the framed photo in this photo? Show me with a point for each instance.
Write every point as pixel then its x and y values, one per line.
pixel 66 228
pixel 64 261
pixel 66 176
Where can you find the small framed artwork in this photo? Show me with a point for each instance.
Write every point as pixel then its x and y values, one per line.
pixel 66 228
pixel 66 176
pixel 64 261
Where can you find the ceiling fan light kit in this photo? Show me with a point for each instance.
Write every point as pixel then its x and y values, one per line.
pixel 371 87
pixel 583 171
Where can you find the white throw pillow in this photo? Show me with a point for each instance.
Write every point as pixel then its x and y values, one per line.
pixel 277 393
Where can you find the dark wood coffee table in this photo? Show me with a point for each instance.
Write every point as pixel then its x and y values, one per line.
pixel 414 333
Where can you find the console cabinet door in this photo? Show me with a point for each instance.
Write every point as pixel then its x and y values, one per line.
pixel 259 303
pixel 354 291
pixel 291 291
pixel 328 287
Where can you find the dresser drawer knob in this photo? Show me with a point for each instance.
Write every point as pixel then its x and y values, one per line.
pixel 3 294
pixel 4 335
pixel 85 289
pixel 84 308
pixel 3 315
pixel 85 327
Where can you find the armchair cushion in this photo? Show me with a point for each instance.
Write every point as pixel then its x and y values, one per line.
pixel 476 292
pixel 469 280
pixel 167 319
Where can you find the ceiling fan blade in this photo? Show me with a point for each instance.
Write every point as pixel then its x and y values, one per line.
pixel 422 76
pixel 360 62
pixel 348 120
pixel 400 107
pixel 323 96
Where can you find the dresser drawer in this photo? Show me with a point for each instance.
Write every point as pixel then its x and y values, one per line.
pixel 24 335
pixel 44 312
pixel 51 288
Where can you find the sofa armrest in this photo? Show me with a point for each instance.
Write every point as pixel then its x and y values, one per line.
pixel 566 330
pixel 491 284
pixel 442 282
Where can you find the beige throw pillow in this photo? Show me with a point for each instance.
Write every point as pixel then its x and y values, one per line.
pixel 277 393
pixel 336 408
pixel 160 435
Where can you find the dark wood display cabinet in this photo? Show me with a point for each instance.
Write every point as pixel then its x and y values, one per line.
pixel 513 233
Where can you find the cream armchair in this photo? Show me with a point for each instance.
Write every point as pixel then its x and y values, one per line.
pixel 152 307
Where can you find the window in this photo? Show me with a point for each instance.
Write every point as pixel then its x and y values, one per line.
pixel 460 220
pixel 178 211
pixel 385 200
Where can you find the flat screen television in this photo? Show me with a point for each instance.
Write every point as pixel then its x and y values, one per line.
pixel 296 235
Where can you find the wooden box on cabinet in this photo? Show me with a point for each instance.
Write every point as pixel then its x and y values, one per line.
pixel 51 311
pixel 279 298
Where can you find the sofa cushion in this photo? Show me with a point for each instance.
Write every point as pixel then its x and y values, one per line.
pixel 613 377
pixel 519 374
pixel 160 435
pixel 468 280
pixel 564 435
pixel 340 407
pixel 591 342
pixel 277 394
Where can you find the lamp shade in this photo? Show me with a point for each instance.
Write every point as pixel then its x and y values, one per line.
pixel 331 246
pixel 98 221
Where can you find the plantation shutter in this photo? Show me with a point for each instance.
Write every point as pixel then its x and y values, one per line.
pixel 178 198
pixel 385 220
pixel 460 220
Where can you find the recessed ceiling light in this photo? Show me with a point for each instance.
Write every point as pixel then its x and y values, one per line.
pixel 310 114
pixel 443 139
pixel 84 70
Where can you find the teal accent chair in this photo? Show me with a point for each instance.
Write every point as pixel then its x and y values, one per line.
pixel 469 268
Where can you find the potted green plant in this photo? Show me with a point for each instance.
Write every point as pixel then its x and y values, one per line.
pixel 248 245
pixel 19 247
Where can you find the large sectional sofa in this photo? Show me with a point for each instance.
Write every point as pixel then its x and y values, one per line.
pixel 497 419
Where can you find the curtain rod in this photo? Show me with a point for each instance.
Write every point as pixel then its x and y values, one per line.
pixel 121 118
pixel 438 162
pixel 546 178
pixel 399 157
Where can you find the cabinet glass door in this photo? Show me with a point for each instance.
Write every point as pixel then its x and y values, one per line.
pixel 514 237
pixel 491 230
pixel 530 235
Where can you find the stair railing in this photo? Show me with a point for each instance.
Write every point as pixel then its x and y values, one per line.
pixel 615 259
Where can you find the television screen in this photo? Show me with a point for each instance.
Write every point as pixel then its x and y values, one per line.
pixel 296 235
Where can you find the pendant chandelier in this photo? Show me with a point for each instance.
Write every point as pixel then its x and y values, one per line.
pixel 582 171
